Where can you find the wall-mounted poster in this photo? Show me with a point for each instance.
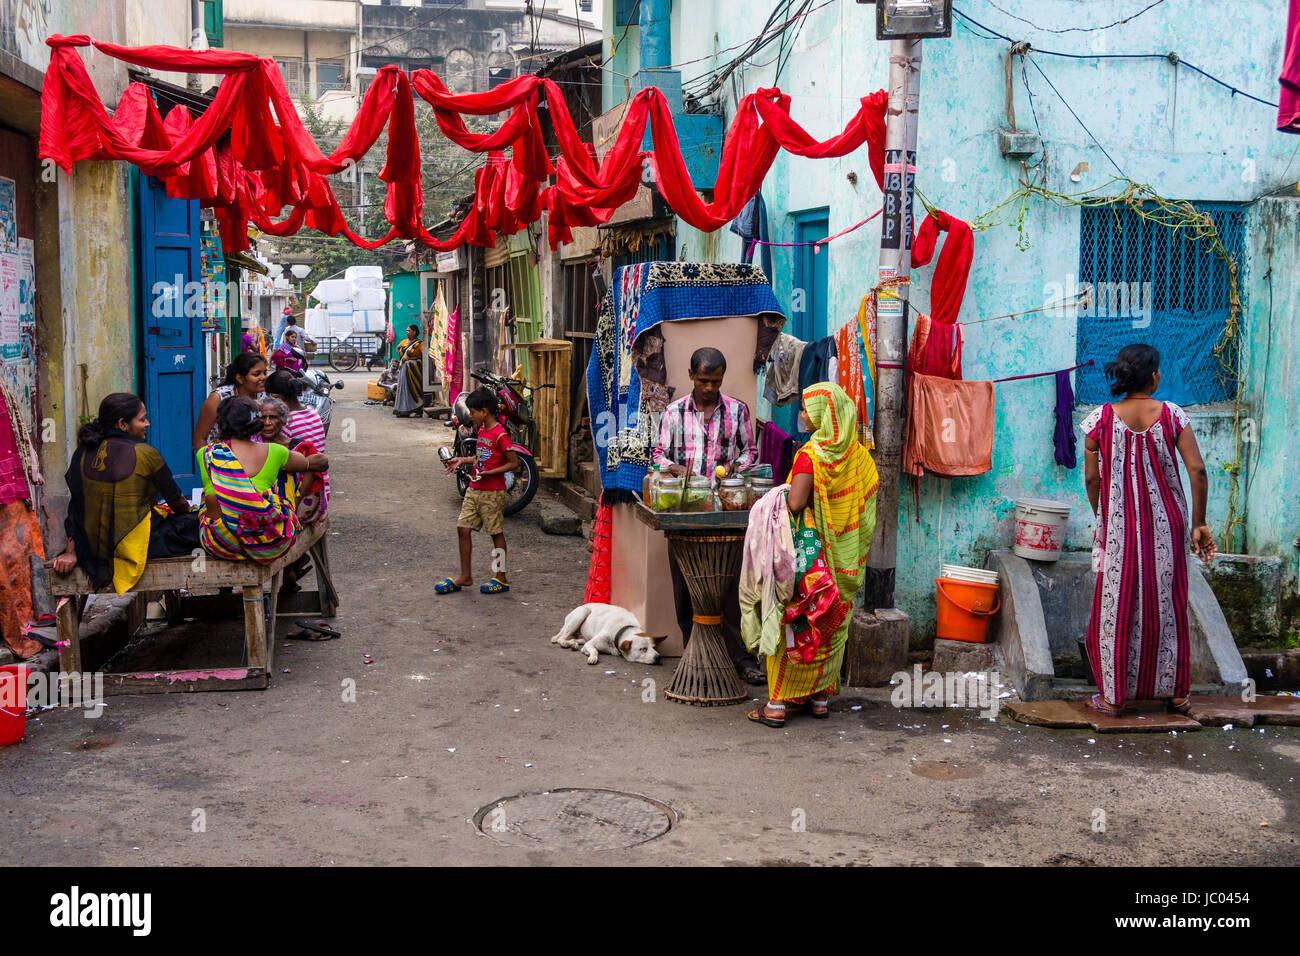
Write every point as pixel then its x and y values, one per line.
pixel 10 336
pixel 26 283
pixel 8 216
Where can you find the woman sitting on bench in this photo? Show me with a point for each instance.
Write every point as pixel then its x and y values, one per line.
pixel 115 480
pixel 246 516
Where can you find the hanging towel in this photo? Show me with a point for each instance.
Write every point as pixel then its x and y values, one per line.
pixel 1064 436
pixel 949 426
pixel 771 445
pixel 782 380
pixel 1288 111
pixel 851 364
pixel 814 364
pixel 935 349
pixel 948 287
pixel 751 224
pixel 767 574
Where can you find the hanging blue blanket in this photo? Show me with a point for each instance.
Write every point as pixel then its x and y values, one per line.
pixel 641 297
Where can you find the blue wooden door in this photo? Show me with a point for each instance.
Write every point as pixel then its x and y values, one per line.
pixel 810 276
pixel 170 323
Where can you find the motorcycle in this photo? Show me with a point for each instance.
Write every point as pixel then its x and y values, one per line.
pixel 317 390
pixel 516 416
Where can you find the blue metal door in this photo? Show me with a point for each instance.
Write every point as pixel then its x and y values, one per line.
pixel 170 322
pixel 810 276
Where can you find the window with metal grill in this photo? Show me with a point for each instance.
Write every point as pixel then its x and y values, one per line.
pixel 1154 285
pixel 291 67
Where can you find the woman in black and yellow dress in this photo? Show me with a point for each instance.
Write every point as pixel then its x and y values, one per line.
pixel 114 524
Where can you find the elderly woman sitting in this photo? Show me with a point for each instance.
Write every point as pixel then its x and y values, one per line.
pixel 301 489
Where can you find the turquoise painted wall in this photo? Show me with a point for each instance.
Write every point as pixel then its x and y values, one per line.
pixel 1186 136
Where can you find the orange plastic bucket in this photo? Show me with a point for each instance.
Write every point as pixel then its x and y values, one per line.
pixel 13 703
pixel 964 609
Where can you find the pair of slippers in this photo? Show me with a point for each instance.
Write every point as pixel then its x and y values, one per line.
pixel 448 586
pixel 315 631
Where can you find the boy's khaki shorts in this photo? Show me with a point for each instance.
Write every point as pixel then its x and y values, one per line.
pixel 483 511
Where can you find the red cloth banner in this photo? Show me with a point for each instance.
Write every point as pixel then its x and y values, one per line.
pixel 249 155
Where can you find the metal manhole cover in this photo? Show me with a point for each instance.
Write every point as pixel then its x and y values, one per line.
pixel 575 819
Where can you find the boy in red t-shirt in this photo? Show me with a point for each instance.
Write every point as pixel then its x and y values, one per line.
pixel 485 500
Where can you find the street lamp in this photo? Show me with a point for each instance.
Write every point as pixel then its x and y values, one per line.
pixel 913 18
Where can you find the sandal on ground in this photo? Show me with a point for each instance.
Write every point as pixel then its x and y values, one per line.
pixel 495 586
pixel 320 627
pixel 1098 703
pixel 759 716
pixel 446 586
pixel 1181 705
pixel 819 708
pixel 309 635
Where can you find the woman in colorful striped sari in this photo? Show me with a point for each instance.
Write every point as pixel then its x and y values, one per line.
pixel 246 515
pixel 1138 640
pixel 832 504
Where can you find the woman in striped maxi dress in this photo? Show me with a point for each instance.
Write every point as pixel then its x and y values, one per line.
pixel 1138 643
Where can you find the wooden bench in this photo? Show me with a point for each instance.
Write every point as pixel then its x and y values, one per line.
pixel 259 585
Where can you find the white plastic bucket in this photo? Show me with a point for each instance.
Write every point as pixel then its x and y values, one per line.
pixel 1040 528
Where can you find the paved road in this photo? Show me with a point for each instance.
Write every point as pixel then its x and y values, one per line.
pixel 467 702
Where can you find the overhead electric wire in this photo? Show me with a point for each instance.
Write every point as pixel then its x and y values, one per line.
pixel 1076 116
pixel 1123 20
pixel 1171 56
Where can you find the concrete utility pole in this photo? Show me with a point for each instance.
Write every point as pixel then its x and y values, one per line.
pixel 891 312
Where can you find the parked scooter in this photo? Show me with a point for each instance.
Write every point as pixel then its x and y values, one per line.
pixel 515 415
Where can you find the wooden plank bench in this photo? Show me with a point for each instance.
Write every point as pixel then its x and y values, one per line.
pixel 259 585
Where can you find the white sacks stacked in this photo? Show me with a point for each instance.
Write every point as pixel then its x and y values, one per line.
pixel 352 304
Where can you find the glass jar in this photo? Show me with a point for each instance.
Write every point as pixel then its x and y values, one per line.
pixel 665 492
pixel 733 495
pixel 699 494
pixel 758 487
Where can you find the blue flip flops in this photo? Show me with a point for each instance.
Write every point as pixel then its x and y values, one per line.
pixel 495 586
pixel 446 586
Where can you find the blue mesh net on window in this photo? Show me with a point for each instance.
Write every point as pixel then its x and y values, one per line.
pixel 1154 286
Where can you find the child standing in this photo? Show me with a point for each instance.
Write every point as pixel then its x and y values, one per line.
pixel 485 500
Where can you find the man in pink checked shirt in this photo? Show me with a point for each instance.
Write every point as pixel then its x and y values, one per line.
pixel 706 429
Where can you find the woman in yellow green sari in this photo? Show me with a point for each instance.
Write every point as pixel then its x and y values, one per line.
pixel 408 392
pixel 832 504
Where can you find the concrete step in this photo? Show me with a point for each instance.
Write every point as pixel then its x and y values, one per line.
pixel 589 478
pixel 575 498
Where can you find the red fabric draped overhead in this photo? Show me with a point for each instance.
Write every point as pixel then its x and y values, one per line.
pixel 249 155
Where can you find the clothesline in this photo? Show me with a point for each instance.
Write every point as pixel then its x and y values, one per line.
pixel 1059 304
pixel 817 242
pixel 1016 378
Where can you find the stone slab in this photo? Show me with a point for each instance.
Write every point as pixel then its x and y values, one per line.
pixel 1074 715
pixel 1047 713
pixel 1217 711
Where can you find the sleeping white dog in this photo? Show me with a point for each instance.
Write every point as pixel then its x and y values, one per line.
pixel 607 628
